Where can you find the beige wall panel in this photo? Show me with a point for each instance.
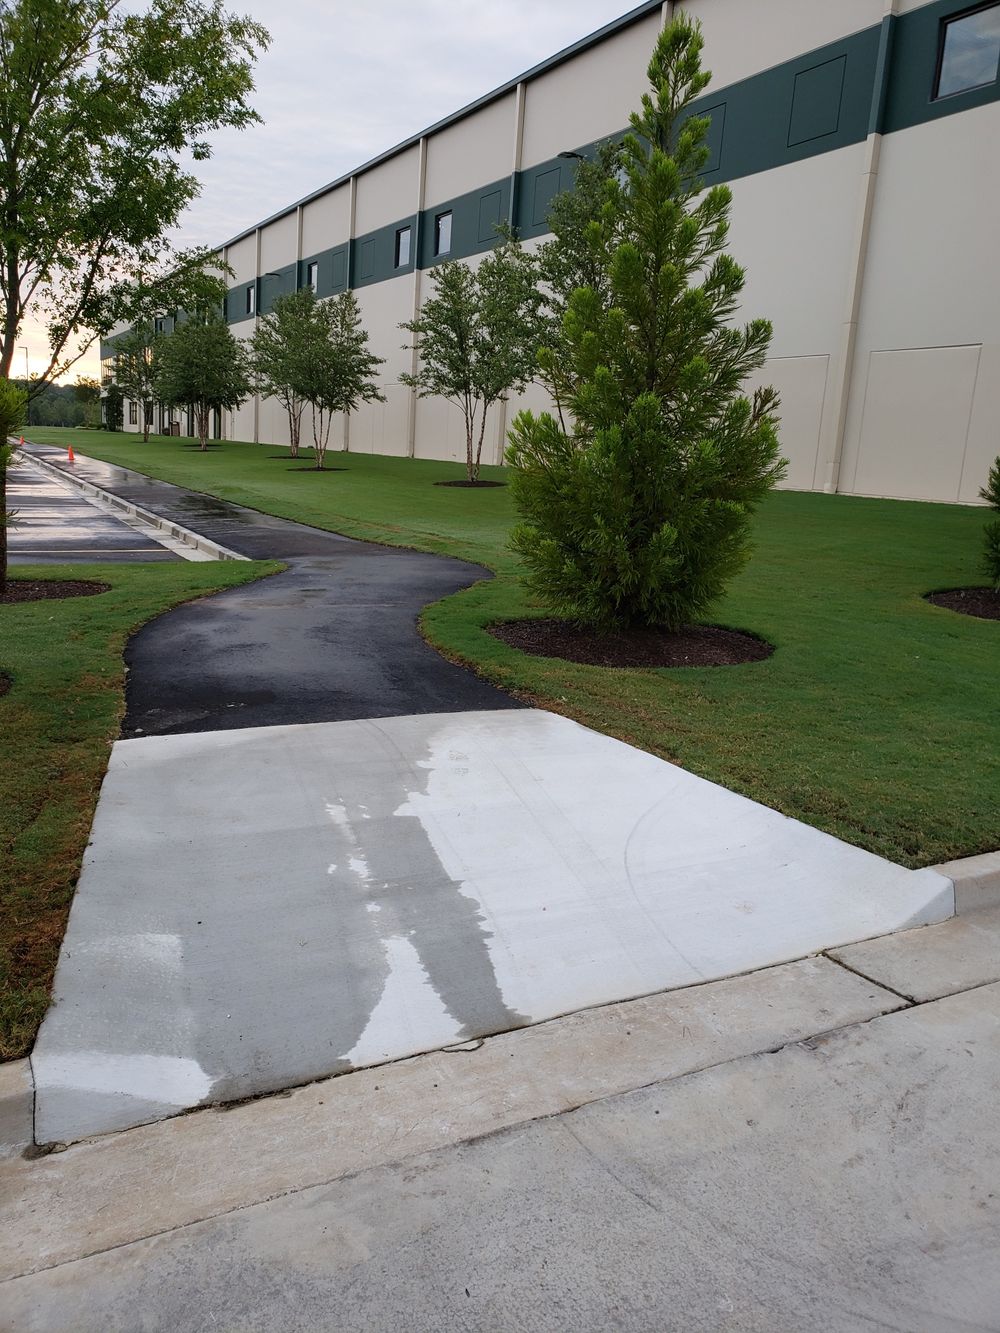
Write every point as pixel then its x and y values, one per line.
pixel 589 96
pixel 930 280
pixel 243 259
pixel 278 242
pixel 387 192
pixel 801 383
pixel 478 149
pixel 384 306
pixel 380 428
pixel 797 270
pixel 983 442
pixel 326 221
pixel 915 422
pixel 905 6
pixel 238 425
pixel 273 422
pixel 440 430
pixel 742 38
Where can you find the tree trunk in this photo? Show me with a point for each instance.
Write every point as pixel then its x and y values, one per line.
pixel 470 430
pixel 479 446
pixel 294 425
pixel 320 437
pixel 203 413
pixel 4 459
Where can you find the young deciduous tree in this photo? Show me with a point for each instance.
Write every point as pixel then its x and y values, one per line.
pixel 277 348
pixel 334 370
pixel 477 338
pixel 13 402
pixel 638 512
pixel 100 106
pixel 136 369
pixel 203 366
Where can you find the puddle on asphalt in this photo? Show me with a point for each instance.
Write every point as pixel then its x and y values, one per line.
pixel 207 506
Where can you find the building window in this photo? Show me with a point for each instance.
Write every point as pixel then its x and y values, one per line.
pixel 442 233
pixel 402 247
pixel 157 325
pixel 970 51
pixel 312 275
pixel 133 414
pixel 251 298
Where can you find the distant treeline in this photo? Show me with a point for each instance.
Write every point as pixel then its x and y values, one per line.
pixel 59 405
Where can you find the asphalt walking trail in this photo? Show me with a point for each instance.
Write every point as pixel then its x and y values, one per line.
pixel 332 638
pixel 320 847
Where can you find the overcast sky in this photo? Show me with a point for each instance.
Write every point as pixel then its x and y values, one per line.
pixel 344 80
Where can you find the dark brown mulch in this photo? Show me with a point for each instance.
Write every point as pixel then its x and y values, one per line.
pixel 38 590
pixel 4 685
pixel 984 603
pixel 695 646
pixel 471 485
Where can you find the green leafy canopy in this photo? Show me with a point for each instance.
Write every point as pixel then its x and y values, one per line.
pixel 98 108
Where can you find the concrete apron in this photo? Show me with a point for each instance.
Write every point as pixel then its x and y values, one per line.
pixel 260 908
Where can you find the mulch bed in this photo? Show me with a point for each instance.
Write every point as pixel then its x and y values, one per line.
pixel 4 685
pixel 695 646
pixel 38 590
pixel 471 485
pixel 984 603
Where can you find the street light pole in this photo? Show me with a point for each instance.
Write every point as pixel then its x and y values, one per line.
pixel 26 378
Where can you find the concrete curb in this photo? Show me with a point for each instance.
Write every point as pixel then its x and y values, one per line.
pixel 185 535
pixel 976 880
pixel 17 1108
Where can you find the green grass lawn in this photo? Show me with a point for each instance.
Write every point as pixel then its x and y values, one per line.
pixel 876 719
pixel 58 720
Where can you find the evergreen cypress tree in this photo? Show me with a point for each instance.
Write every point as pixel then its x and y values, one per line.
pixel 637 510
pixel 991 534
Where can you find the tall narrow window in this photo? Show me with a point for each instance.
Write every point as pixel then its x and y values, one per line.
pixel 251 295
pixel 312 275
pixel 402 247
pixel 970 51
pixel 442 233
pixel 133 413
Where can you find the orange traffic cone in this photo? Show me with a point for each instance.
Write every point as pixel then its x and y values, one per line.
pixel 69 456
pixel 22 439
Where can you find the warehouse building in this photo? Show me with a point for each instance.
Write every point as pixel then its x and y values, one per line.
pixel 859 140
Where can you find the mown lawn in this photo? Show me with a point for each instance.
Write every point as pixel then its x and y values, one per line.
pixel 876 719
pixel 63 658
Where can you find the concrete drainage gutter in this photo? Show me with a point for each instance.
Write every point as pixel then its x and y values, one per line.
pixel 193 539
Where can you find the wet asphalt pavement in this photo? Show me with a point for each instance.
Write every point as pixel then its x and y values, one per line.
pixel 54 524
pixel 333 638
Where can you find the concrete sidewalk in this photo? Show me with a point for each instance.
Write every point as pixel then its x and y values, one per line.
pixel 800 1149
pixel 356 892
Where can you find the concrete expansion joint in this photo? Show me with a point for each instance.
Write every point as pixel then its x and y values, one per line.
pixel 830 955
pixel 190 538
